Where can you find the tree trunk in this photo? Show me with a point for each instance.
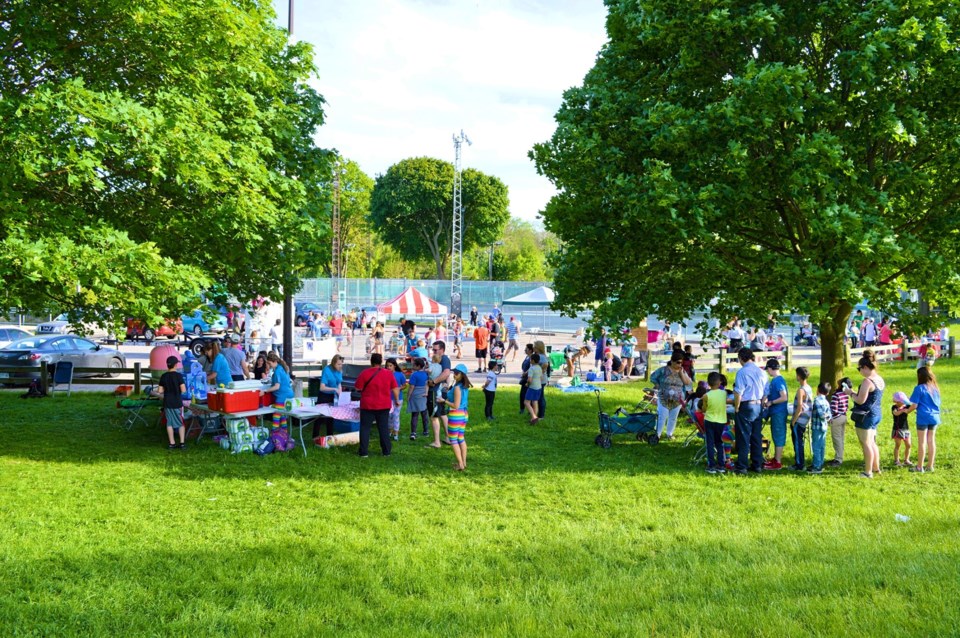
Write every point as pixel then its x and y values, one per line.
pixel 833 330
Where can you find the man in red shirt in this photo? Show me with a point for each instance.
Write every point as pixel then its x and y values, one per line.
pixel 482 336
pixel 336 328
pixel 378 392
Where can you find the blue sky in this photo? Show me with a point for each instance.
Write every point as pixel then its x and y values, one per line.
pixel 402 76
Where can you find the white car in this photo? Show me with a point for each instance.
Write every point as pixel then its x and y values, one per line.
pixel 61 326
pixel 12 333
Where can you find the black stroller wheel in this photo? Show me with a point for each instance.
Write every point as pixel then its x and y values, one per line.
pixel 606 442
pixel 652 438
pixel 598 440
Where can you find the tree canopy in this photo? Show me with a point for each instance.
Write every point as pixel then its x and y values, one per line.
pixel 412 208
pixel 759 156
pixel 151 150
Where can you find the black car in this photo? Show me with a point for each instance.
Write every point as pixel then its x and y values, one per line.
pixel 47 350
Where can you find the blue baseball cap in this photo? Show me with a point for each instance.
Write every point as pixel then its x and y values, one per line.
pixel 462 369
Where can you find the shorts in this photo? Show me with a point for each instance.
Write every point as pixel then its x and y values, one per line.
pixel 513 345
pixel 456 426
pixel 481 353
pixel 533 395
pixel 870 422
pixel 778 429
pixel 901 435
pixel 174 417
pixel 927 426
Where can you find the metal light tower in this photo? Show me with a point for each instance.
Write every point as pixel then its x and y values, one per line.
pixel 335 269
pixel 456 252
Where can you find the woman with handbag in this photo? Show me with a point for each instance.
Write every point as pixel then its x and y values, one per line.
pixel 670 381
pixel 866 414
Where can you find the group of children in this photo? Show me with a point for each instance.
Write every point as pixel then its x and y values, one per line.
pixel 818 412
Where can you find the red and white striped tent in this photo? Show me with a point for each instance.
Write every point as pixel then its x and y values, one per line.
pixel 412 302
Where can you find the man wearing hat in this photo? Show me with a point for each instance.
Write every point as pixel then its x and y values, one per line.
pixel 747 404
pixel 235 359
pixel 775 401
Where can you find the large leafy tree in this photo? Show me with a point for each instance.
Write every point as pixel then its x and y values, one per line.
pixel 412 208
pixel 758 156
pixel 152 149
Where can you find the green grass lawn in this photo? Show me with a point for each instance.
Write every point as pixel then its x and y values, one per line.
pixel 105 532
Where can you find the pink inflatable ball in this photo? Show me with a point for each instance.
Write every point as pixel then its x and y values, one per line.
pixel 158 360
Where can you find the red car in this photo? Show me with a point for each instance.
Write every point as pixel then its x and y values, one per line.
pixel 170 329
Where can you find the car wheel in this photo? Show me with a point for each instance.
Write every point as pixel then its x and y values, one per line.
pixel 117 365
pixel 197 330
pixel 149 335
pixel 197 346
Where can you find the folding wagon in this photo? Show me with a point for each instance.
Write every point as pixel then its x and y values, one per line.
pixel 641 424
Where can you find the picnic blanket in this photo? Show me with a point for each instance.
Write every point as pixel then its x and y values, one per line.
pixel 583 387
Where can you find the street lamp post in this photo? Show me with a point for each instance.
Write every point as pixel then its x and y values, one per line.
pixel 490 263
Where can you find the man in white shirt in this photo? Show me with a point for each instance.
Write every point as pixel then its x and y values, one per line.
pixel 747 397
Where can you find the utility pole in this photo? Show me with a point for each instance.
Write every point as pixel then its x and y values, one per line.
pixel 490 263
pixel 456 252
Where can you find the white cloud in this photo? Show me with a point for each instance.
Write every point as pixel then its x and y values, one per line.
pixel 401 77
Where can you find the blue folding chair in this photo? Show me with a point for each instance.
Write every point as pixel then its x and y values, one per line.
pixel 62 374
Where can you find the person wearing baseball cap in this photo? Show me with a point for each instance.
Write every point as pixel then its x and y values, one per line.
pixel 775 402
pixel 456 400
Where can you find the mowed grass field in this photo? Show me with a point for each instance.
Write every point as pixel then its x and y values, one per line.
pixel 106 532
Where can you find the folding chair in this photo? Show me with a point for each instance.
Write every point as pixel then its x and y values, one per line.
pixel 62 374
pixel 134 408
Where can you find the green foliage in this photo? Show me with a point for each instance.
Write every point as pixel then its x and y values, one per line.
pixel 158 147
pixel 412 208
pixel 759 156
pixel 106 533
pixel 520 255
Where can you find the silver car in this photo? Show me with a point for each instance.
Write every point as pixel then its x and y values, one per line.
pixel 47 350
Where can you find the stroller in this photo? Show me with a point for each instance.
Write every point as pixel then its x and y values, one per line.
pixel 643 424
pixel 497 359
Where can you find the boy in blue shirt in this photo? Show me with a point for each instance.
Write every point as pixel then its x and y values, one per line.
pixel 775 400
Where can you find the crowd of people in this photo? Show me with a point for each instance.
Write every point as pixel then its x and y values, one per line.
pixel 761 396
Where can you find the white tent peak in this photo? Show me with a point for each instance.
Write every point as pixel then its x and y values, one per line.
pixel 541 296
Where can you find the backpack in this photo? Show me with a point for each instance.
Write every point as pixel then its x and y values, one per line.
pixel 35 391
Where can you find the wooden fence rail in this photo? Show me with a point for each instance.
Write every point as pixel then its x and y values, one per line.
pixel 134 376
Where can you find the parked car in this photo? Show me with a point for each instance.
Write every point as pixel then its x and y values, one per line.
pixel 61 325
pixel 10 333
pixel 48 350
pixel 302 309
pixel 170 329
pixel 197 324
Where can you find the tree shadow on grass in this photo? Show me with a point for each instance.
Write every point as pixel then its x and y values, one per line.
pixel 87 430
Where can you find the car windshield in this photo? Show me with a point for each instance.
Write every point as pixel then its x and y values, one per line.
pixel 62 317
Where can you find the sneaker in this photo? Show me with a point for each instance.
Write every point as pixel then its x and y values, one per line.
pixel 740 470
pixel 364 456
pixel 172 446
pixel 835 463
pixel 424 433
pixel 721 470
pixel 711 469
pixel 413 437
pixel 865 475
pixel 396 437
pixel 773 464
pixel 182 446
pixel 755 470
pixel 917 468
pixel 815 470
pixel 796 467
